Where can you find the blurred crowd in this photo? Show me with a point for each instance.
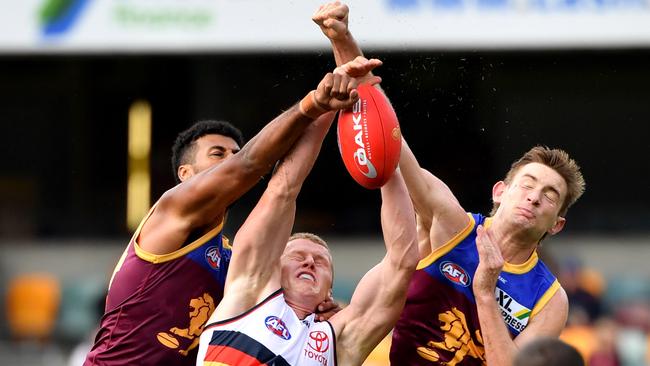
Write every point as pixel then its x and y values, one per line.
pixel 609 319
pixel 49 321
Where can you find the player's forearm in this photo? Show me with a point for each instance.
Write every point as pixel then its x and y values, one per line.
pixel 345 49
pixel 296 165
pixel 380 295
pixel 273 141
pixel 418 188
pixel 208 196
pixel 398 222
pixel 500 349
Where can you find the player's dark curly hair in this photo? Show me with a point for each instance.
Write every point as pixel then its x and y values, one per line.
pixel 185 144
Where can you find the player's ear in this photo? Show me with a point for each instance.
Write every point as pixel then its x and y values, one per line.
pixel 558 226
pixel 497 191
pixel 185 172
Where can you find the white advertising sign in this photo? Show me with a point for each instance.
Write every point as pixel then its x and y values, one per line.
pixel 108 26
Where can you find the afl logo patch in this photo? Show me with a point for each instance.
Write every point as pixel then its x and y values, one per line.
pixel 455 273
pixel 213 257
pixel 319 341
pixel 277 327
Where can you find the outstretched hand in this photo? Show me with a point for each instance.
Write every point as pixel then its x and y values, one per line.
pixel 361 67
pixel 490 263
pixel 337 90
pixel 332 18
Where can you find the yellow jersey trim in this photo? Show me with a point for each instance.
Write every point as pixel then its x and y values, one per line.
pixel 161 258
pixel 523 267
pixel 120 262
pixel 545 298
pixel 225 243
pixel 448 246
pixel 487 222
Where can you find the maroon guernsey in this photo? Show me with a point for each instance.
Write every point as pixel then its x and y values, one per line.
pixel 157 305
pixel 439 324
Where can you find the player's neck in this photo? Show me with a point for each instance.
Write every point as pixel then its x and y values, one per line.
pixel 516 245
pixel 514 254
pixel 302 307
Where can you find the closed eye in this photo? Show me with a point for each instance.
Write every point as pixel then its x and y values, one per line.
pixel 321 263
pixel 528 181
pixel 551 197
pixel 297 257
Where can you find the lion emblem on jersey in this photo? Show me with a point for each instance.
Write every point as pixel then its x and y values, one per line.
pixel 458 340
pixel 201 309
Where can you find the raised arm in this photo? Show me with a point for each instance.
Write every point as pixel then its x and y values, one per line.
pixel 439 212
pixel 201 201
pixel 379 298
pixel 259 243
pixel 332 18
pixel 254 270
pixel 441 216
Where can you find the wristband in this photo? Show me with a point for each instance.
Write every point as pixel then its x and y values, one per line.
pixel 309 107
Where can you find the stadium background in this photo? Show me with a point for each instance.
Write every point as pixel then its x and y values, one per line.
pixel 468 110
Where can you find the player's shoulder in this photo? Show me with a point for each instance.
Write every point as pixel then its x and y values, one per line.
pixel 560 298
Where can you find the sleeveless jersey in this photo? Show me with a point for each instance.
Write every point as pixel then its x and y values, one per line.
pixel 440 325
pixel 157 305
pixel 268 334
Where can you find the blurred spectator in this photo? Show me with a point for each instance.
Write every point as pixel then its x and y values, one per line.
pixel 579 333
pixel 632 341
pixel 548 352
pixel 605 352
pixel 584 288
pixel 631 344
pixel 634 314
pixel 647 353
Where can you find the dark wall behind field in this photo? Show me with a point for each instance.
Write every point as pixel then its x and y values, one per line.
pixel 467 116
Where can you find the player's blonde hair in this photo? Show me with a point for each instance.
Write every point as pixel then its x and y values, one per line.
pixel 558 160
pixel 311 237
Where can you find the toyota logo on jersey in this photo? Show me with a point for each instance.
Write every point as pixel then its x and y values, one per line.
pixel 319 341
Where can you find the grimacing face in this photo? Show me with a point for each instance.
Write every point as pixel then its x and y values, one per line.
pixel 533 198
pixel 306 270
pixel 209 150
